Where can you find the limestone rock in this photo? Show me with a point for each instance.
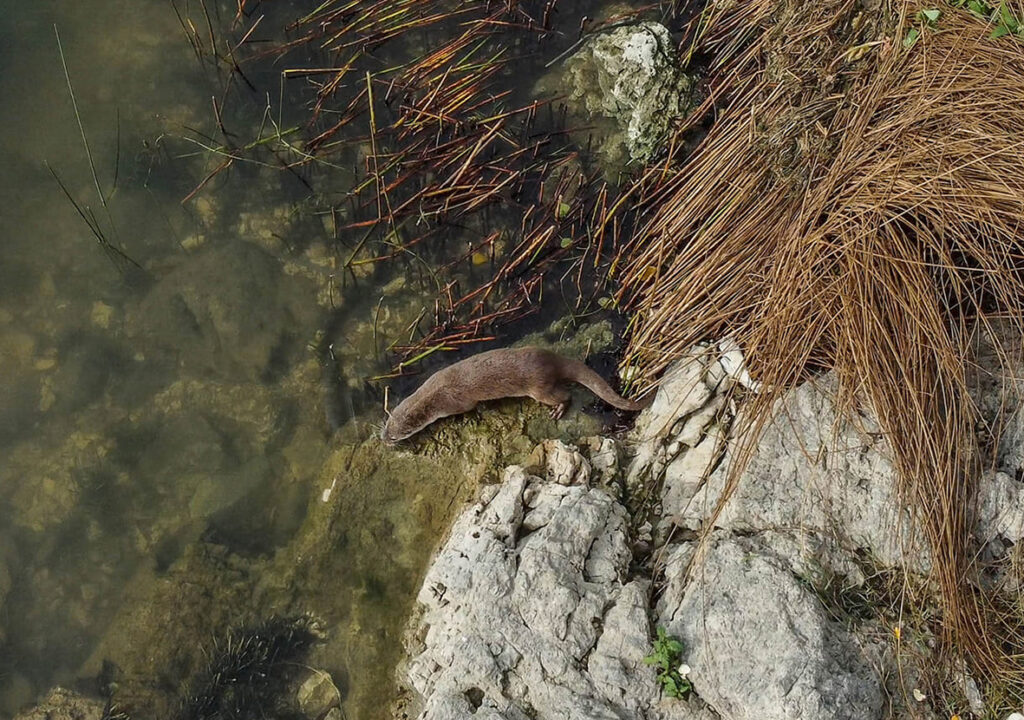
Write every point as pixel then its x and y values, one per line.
pixel 561 463
pixel 631 75
pixel 811 468
pixel 604 458
pixel 760 645
pixel 1000 507
pixel 529 613
pixel 317 695
pixel 61 704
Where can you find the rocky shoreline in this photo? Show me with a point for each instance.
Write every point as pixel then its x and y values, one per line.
pixel 544 600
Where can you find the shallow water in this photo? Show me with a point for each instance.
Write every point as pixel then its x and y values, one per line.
pixel 145 405
pixel 165 445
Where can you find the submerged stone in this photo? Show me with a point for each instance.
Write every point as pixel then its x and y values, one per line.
pixel 62 704
pixel 317 695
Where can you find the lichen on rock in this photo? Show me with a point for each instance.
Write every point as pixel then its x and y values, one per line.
pixel 631 75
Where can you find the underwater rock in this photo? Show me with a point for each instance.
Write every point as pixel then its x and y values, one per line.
pixel 631 74
pixel 228 310
pixel 47 481
pixel 19 384
pixel 5 587
pixel 85 365
pixel 247 670
pixel 317 695
pixel 62 704
pixel 16 692
pixel 166 624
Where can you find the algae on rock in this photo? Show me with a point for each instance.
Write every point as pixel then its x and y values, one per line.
pixel 631 75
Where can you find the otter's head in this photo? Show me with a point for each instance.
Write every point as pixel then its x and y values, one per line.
pixel 406 420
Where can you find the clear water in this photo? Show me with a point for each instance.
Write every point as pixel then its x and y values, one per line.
pixel 168 463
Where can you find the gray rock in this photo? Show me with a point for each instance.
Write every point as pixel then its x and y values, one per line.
pixel 758 642
pixel 317 695
pixel 1000 507
pixel 529 612
pixel 561 463
pixel 604 458
pixel 631 75
pixel 829 476
pixel 811 470
pixel 61 704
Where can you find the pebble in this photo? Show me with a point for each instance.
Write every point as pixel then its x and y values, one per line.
pixel 193 242
pixel 101 314
pixel 317 695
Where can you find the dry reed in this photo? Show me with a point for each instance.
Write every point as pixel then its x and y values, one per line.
pixel 857 206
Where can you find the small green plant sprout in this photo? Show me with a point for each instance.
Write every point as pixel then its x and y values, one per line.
pixel 1002 18
pixel 1006 23
pixel 671 672
pixel 926 18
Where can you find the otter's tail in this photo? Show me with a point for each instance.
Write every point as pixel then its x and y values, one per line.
pixel 578 372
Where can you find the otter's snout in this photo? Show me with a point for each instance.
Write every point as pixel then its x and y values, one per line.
pixel 389 435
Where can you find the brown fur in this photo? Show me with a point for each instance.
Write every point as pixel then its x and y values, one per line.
pixel 508 372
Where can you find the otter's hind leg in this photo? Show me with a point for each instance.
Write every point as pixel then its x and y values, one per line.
pixel 557 397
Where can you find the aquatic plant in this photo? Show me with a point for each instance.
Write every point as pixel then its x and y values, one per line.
pixel 118 257
pixel 859 212
pixel 245 672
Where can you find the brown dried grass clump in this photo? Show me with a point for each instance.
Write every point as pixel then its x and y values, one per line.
pixel 857 206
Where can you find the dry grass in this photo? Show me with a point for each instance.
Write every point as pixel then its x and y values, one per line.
pixel 863 215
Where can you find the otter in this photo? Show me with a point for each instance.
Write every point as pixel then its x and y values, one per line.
pixel 508 372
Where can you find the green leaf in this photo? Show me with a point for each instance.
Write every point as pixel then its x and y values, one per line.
pixel 930 16
pixel 563 210
pixel 999 31
pixel 979 8
pixel 565 242
pixel 674 646
pixel 651 660
pixel 1008 19
pixel 606 302
pixel 911 39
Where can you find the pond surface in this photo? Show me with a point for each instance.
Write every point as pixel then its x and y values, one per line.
pixel 169 461
pixel 161 391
